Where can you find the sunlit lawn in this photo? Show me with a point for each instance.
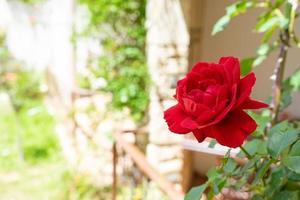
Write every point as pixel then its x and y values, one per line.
pixel 44 181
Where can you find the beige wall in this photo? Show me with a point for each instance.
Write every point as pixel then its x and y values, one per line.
pixel 239 40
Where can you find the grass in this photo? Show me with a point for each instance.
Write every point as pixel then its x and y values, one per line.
pixel 31 164
pixel 40 182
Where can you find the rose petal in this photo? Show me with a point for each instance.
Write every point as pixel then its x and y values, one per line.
pixel 192 80
pixel 199 66
pixel 226 110
pixel 193 108
pixel 222 94
pixel 204 116
pixel 199 135
pixel 189 123
pixel 244 89
pixel 190 107
pixel 196 95
pixel 174 116
pixel 204 84
pixel 252 104
pixel 181 89
pixel 209 100
pixel 212 72
pixel 220 106
pixel 232 69
pixel 234 129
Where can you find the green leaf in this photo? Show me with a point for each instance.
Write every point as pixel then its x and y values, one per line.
pixel 255 146
pixel 279 3
pixel 271 20
pixel 257 197
pixel 196 192
pixel 230 166
pixel 262 171
pixel 218 184
pixel 231 11
pixel 246 65
pixel 210 195
pixel 277 178
pixel 295 151
pixel 295 80
pixel 262 122
pixel 280 137
pixel 263 49
pixel 268 34
pixel 247 167
pixel 293 176
pixel 286 195
pixel 292 84
pixel 268 24
pixel 286 99
pixel 292 161
pixel 240 183
pixel 213 174
pixel 212 143
pixel 238 8
pixel 220 24
pixel 259 60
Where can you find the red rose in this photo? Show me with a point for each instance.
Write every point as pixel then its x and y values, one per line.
pixel 211 99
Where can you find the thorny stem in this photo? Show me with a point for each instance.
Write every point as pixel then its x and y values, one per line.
pixel 277 77
pixel 249 156
pixel 246 152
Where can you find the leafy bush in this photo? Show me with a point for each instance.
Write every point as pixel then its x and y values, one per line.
pixel 119 26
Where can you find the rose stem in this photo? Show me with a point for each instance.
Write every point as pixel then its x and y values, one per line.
pixel 246 152
pixel 277 76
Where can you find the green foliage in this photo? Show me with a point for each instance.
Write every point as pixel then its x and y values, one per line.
pixel 32 1
pixel 231 12
pixel 26 126
pixel 262 121
pixel 281 136
pixel 195 192
pixel 254 147
pixel 290 85
pixel 246 65
pixel 121 29
pixel 212 143
pixel 294 81
pixel 292 160
pixel 79 186
pixel 270 21
pixel 291 195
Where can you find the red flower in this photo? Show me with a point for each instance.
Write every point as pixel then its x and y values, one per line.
pixel 211 99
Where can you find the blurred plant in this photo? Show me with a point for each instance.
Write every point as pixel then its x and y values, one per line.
pixel 27 124
pixel 121 69
pixel 272 168
pixel 32 1
pixel 79 187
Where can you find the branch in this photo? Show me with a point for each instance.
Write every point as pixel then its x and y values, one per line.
pixel 277 76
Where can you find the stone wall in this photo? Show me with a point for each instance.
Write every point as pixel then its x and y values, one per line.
pixel 167 54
